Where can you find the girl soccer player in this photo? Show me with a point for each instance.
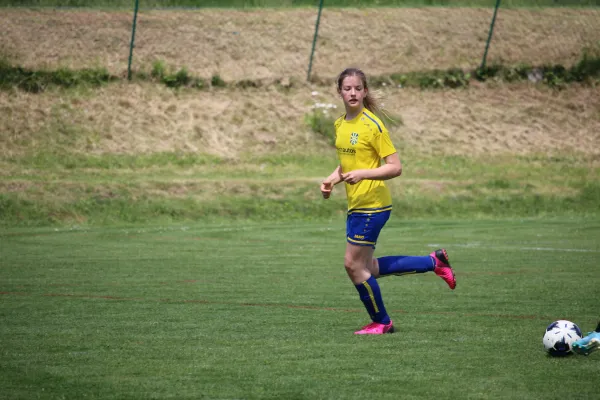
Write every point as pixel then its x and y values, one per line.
pixel 362 141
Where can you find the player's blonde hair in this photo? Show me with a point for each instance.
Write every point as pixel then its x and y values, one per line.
pixel 369 102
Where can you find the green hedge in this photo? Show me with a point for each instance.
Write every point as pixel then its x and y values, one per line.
pixel 587 70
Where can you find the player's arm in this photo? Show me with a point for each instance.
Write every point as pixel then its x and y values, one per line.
pixel 332 180
pixel 391 169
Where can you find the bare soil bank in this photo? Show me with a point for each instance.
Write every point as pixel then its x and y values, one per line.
pixel 275 44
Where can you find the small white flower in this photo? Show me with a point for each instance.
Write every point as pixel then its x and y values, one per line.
pixel 314 93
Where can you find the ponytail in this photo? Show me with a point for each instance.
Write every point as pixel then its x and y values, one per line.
pixel 370 102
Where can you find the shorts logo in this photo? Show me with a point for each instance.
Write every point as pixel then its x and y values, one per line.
pixel 353 138
pixel 359 237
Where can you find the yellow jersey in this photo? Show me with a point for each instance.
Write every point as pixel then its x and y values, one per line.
pixel 362 143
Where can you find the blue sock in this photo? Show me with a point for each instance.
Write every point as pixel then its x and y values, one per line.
pixel 400 265
pixel 370 295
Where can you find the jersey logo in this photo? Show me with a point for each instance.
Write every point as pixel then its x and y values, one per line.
pixel 353 138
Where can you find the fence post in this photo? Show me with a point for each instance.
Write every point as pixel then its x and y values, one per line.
pixel 135 12
pixel 489 39
pixel 314 43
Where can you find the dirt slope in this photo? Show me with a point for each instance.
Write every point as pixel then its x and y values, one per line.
pixel 131 118
pixel 269 44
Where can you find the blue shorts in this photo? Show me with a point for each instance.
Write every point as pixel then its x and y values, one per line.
pixel 363 229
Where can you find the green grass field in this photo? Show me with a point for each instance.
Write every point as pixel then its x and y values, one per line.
pixel 265 311
pixel 171 244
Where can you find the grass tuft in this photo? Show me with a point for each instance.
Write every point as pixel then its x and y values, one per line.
pixel 321 122
pixel 217 81
pixel 37 81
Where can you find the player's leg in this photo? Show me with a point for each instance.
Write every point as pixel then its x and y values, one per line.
pixel 437 262
pixel 362 233
pixel 356 262
pixel 588 343
pixel 403 265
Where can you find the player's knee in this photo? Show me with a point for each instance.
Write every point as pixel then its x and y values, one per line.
pixel 356 270
pixel 352 265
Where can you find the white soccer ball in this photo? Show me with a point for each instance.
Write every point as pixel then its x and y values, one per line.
pixel 560 336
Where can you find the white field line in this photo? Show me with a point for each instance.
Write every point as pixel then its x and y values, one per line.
pixel 477 245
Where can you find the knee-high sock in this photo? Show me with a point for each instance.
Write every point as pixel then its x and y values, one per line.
pixel 370 295
pixel 400 265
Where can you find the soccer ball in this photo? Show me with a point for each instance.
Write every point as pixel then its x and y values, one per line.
pixel 559 337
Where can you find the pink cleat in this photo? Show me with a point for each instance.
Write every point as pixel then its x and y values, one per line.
pixel 375 328
pixel 442 267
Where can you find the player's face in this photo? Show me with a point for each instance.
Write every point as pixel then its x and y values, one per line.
pixel 353 92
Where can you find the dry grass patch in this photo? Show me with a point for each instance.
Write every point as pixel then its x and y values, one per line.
pixel 269 44
pixel 144 118
pixel 516 119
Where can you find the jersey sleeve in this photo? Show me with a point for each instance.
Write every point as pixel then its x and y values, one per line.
pixel 382 143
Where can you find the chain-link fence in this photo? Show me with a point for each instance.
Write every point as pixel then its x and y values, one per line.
pixel 277 43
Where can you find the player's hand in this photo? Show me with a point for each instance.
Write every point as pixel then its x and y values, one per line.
pixel 353 177
pixel 326 188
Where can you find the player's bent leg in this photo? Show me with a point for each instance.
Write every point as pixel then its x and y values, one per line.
pixel 373 267
pixel 404 265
